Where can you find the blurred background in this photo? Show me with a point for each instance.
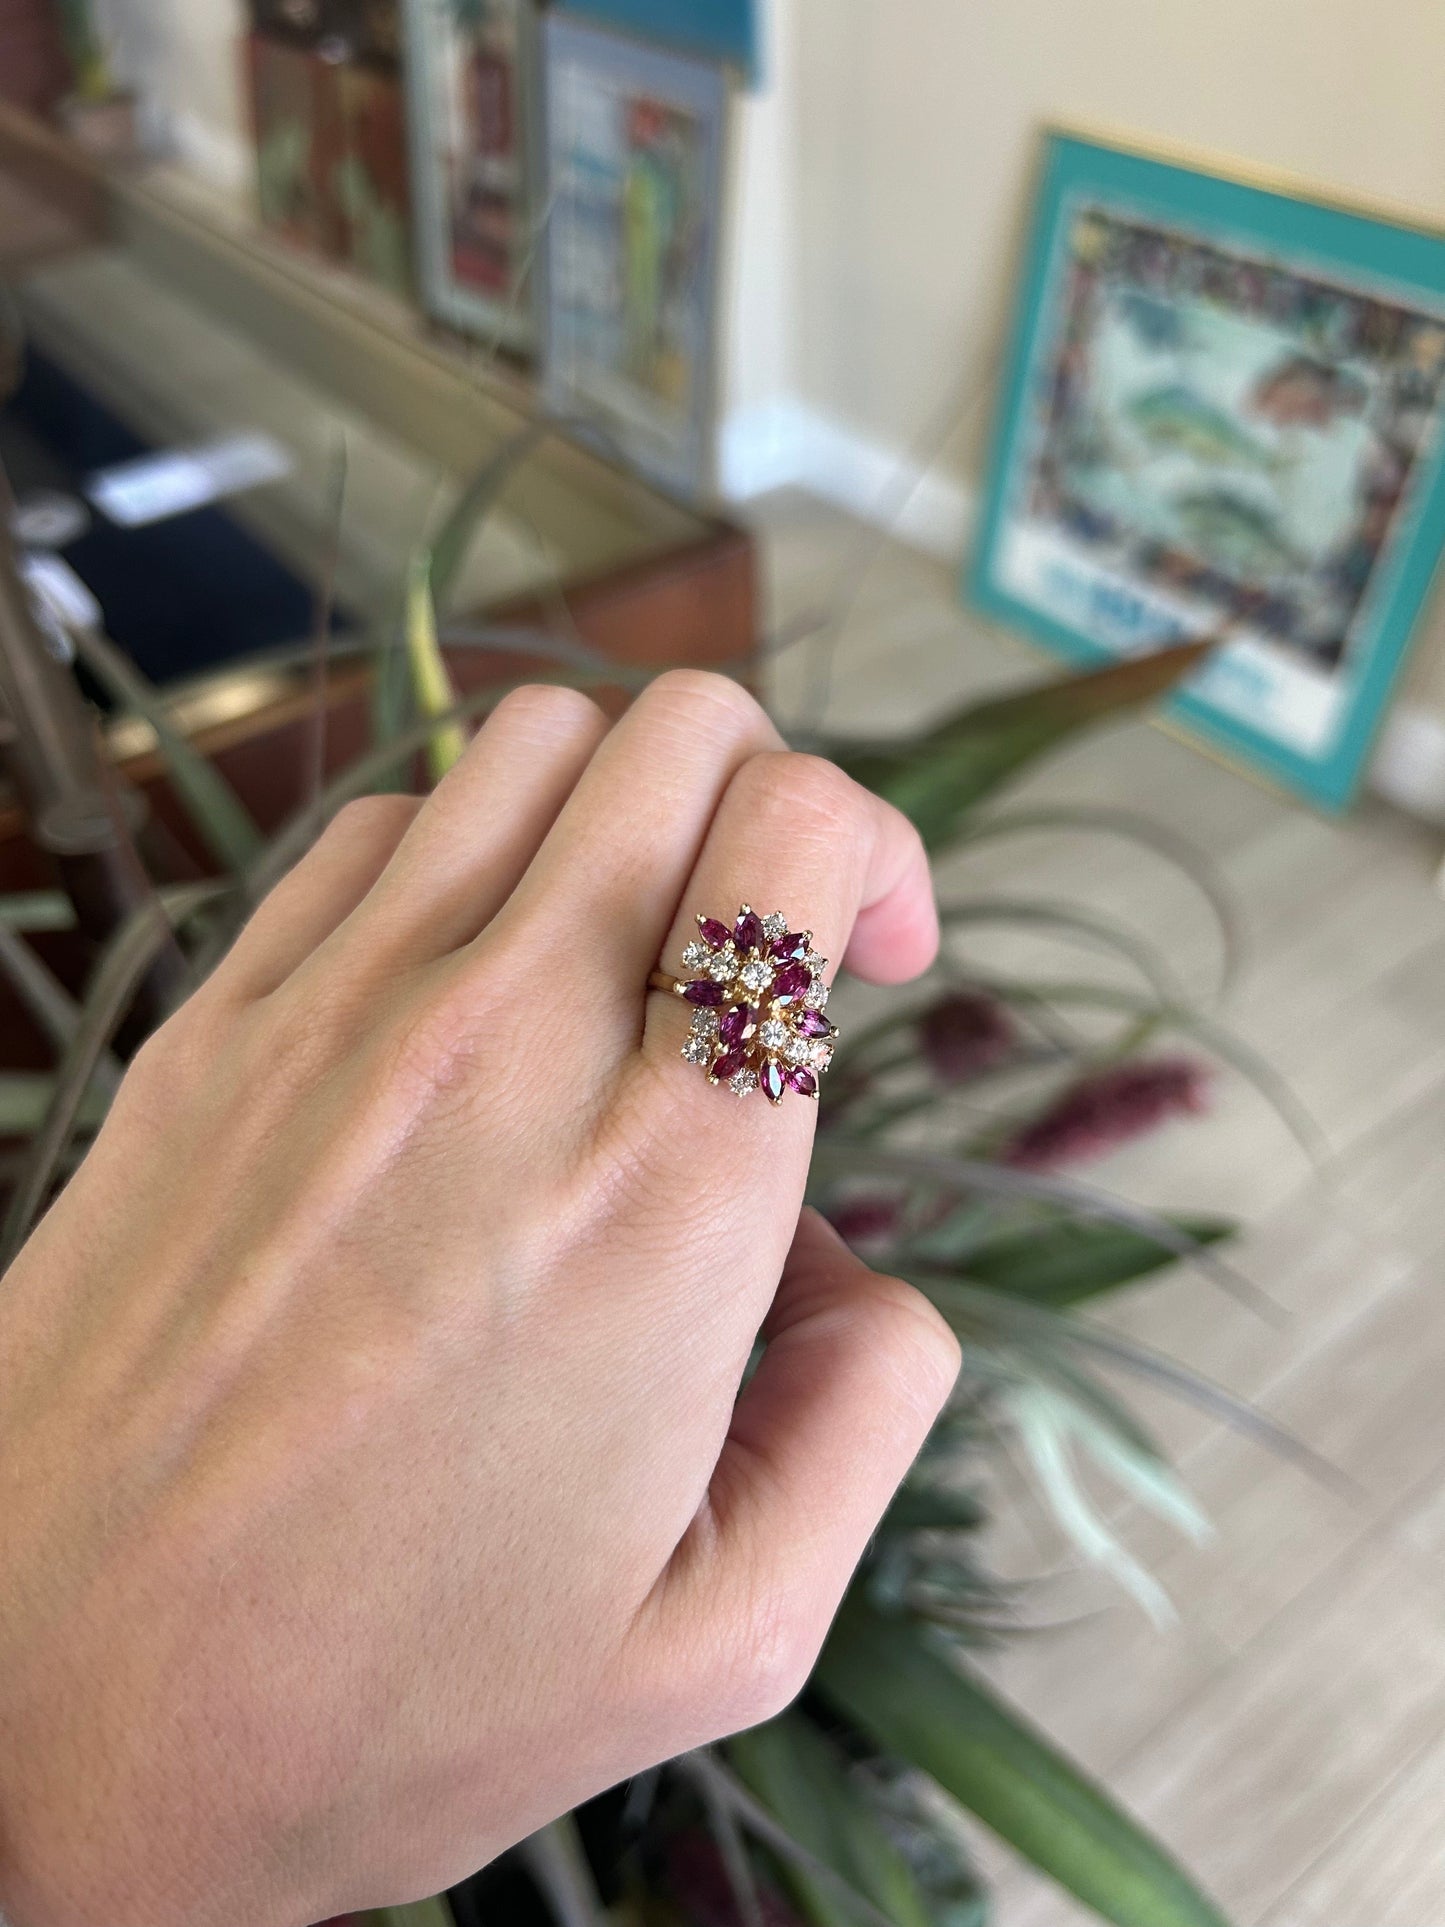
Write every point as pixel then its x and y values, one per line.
pixel 970 380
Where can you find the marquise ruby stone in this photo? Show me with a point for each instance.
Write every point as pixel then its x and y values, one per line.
pixel 714 934
pixel 749 932
pixel 791 949
pixel 729 1066
pixel 772 1080
pixel 803 1082
pixel 734 1026
pixel 812 1023
pixel 704 993
pixel 792 981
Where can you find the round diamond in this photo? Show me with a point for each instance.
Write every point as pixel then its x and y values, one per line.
pixel 721 966
pixel 705 1023
pixel 822 1055
pixel 817 997
pixel 756 975
pixel 744 1083
pixel 698 1049
pixel 775 926
pixel 815 963
pixel 798 1050
pixel 774 1035
pixel 695 956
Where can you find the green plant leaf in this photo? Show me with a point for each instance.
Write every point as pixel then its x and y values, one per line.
pixel 1068 920
pixel 421 1913
pixel 993 1321
pixel 1129 826
pixel 839 1154
pixel 475 502
pixel 32 910
pixel 938 777
pixel 119 974
pixel 432 683
pixel 1066 1262
pixel 894 1681
pixel 798 1776
pixel 934 1508
pixel 25 1097
pixel 217 812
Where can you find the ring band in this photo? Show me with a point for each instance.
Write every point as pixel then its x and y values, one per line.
pixel 758 994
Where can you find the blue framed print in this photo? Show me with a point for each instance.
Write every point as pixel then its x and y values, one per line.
pixel 1221 414
pixel 630 257
pixel 724 29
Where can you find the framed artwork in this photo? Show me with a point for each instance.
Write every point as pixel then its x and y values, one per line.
pixel 331 158
pixel 725 29
pixel 471 100
pixel 300 143
pixel 1222 413
pixel 634 142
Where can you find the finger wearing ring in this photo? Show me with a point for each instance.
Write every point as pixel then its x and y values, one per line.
pixel 758 995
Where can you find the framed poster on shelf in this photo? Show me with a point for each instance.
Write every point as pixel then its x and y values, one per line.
pixel 634 143
pixel 471 103
pixel 1222 414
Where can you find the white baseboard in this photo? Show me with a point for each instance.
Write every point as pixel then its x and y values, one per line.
pixel 785 444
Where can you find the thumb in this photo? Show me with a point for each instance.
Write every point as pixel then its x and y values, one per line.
pixel 856 1369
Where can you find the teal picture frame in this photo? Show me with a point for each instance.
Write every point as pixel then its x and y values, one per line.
pixel 726 30
pixel 1221 410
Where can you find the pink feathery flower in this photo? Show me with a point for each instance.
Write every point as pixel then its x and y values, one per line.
pixel 965 1034
pixel 866 1220
pixel 1098 1114
pixel 699 1881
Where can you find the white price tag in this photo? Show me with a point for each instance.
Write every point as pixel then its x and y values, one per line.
pixel 152 488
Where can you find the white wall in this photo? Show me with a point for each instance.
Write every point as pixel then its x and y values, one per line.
pixel 183 59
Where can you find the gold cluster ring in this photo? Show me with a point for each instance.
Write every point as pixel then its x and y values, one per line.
pixel 758 993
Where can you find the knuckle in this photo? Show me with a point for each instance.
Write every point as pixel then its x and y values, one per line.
pixel 916 1341
pixel 373 819
pixel 172 1058
pixel 548 709
pixel 769 1659
pixel 702 697
pixel 808 790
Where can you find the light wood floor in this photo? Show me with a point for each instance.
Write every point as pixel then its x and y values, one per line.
pixel 1287 1736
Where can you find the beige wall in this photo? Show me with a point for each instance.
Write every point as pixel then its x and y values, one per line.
pixel 914 127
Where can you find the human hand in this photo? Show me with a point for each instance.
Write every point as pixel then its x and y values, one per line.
pixel 376 1483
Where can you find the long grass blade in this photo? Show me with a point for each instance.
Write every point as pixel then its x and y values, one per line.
pixel 1128 826
pixel 835 1153
pixel 708 1773
pixel 557 1862
pixel 122 969
pixel 940 777
pixel 1068 920
pixel 36 910
pixel 218 813
pixel 890 1679
pixel 987 1317
pixel 1217 1038
pixel 49 1002
pixel 296 835
pixel 796 1773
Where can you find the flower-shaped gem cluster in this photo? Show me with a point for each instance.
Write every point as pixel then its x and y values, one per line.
pixel 758 995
